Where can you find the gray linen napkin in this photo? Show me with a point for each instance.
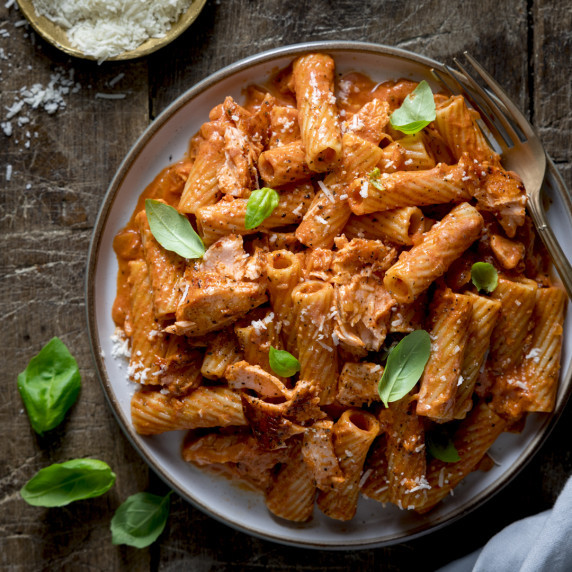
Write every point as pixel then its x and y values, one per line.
pixel 539 543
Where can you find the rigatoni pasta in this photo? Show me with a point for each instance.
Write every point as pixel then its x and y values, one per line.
pixel 450 317
pixel 428 260
pixel 313 79
pixel 372 236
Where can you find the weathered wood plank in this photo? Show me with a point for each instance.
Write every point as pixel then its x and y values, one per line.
pixel 552 82
pixel 59 174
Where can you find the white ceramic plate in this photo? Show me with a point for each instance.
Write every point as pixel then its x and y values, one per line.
pixel 166 141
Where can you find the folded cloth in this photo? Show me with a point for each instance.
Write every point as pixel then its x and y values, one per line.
pixel 539 543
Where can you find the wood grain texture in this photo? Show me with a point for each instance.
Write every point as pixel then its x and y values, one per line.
pixel 552 83
pixel 45 231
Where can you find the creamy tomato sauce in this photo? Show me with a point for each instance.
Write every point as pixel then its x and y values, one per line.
pixel 167 185
pixel 353 91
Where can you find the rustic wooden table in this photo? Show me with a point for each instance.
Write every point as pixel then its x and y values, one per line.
pixel 54 171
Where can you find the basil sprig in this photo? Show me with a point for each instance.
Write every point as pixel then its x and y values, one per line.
pixel 374 179
pixel 416 111
pixel 404 367
pixel 49 386
pixel 260 206
pixel 140 519
pixel 283 363
pixel 484 276
pixel 440 446
pixel 63 483
pixel 172 230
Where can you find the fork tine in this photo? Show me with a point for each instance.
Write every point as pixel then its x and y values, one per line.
pixel 512 109
pixel 513 136
pixel 499 138
pixel 441 78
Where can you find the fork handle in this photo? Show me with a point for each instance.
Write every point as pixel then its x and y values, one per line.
pixel 559 259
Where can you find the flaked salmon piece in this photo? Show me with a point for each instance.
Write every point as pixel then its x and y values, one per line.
pixel 268 423
pixel 319 455
pixel 236 175
pixel 350 339
pixel 369 122
pixel 216 447
pixel 356 256
pixel 211 302
pixel 274 423
pixel 180 368
pixel 363 312
pixel 243 375
pixel 227 258
pixel 318 264
pixel 361 256
pixel 244 137
pixel 223 287
pixel 237 454
pixel 502 193
pixel 304 404
pixel 508 252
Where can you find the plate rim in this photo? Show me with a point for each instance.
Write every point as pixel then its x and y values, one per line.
pixel 526 455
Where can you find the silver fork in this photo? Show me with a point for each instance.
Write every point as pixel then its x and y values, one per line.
pixel 520 148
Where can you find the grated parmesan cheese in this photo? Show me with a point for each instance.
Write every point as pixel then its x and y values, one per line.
pixel 116 79
pixel 441 481
pixel 327 191
pixel 420 485
pixel 109 95
pixel 327 348
pixel 120 347
pixel 364 478
pixel 297 212
pixel 49 98
pixel 106 28
pixel 7 128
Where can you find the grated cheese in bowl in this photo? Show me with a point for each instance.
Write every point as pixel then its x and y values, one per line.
pixel 106 28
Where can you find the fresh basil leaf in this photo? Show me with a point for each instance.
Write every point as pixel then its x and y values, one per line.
pixel 140 519
pixel 440 446
pixel 49 386
pixel 484 276
pixel 260 206
pixel 283 363
pixel 416 111
pixel 374 179
pixel 61 484
pixel 172 230
pixel 404 367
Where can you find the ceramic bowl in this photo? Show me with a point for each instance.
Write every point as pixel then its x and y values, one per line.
pixel 166 141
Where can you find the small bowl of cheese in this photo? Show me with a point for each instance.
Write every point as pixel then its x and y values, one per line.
pixel 110 29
